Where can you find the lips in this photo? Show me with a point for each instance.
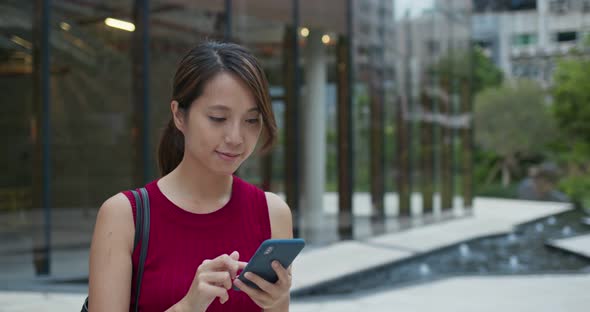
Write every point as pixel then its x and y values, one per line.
pixel 227 156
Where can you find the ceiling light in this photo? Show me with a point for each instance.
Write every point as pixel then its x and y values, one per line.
pixel 119 24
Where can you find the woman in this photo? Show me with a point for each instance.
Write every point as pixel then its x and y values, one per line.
pixel 204 221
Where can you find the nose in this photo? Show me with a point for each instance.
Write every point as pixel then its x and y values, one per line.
pixel 233 134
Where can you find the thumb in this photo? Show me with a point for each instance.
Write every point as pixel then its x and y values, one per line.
pixel 235 255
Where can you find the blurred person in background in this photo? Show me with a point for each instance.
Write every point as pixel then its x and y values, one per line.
pixel 541 184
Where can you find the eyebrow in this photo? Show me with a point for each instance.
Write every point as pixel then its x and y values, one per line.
pixel 225 108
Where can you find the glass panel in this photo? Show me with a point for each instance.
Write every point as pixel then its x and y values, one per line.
pixel 176 27
pixel 262 27
pixel 91 112
pixel 16 131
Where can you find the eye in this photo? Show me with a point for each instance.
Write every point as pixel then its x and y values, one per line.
pixel 253 120
pixel 216 119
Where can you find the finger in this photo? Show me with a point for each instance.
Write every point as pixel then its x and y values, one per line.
pixel 282 273
pixel 224 299
pixel 263 284
pixel 255 294
pixel 210 265
pixel 213 291
pixel 235 256
pixel 221 263
pixel 241 266
pixel 230 263
pixel 205 265
pixel 217 278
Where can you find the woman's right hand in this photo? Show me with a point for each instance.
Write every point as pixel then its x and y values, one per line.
pixel 212 280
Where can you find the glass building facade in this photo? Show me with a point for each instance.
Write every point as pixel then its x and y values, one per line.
pixel 86 87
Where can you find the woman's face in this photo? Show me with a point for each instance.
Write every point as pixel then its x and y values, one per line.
pixel 222 126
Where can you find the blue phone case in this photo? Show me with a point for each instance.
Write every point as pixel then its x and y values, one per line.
pixel 282 250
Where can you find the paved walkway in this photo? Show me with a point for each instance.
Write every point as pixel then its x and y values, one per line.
pixel 578 245
pixel 468 294
pixel 320 264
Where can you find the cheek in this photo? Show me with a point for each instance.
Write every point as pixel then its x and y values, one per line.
pixel 200 135
pixel 253 135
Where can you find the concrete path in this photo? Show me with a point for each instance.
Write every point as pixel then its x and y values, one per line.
pixel 468 294
pixel 578 245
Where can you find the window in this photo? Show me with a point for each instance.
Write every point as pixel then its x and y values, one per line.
pixel 566 36
pixel 518 5
pixel 559 6
pixel 432 46
pixel 524 39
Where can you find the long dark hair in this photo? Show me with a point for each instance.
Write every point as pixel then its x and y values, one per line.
pixel 198 67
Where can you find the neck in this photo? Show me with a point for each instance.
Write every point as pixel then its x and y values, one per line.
pixel 193 181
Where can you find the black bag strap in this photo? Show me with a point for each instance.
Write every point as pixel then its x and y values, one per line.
pixel 142 226
pixel 142 233
pixel 138 219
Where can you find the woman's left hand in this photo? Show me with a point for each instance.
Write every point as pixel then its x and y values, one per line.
pixel 269 294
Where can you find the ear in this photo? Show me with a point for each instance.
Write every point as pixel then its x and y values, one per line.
pixel 177 115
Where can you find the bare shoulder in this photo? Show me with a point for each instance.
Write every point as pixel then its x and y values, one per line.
pixel 110 264
pixel 117 205
pixel 280 216
pixel 115 217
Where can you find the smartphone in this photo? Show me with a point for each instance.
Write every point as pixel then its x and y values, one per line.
pixel 282 250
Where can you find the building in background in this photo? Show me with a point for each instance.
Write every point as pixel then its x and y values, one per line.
pixel 424 39
pixel 374 26
pixel 524 38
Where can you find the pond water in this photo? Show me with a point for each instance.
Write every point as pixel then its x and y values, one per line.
pixel 523 251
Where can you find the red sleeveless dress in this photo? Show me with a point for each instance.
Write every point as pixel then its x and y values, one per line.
pixel 180 241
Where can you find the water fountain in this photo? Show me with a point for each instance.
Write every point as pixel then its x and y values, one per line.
pixel 512 238
pixel 424 269
pixel 523 251
pixel 464 250
pixel 514 263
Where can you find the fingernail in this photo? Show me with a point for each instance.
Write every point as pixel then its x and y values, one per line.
pixel 275 264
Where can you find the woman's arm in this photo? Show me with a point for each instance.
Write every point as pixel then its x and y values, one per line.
pixel 110 256
pixel 281 226
pixel 281 223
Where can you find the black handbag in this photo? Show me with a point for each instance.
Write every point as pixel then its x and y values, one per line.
pixel 142 227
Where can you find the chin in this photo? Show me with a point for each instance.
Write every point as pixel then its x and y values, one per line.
pixel 225 170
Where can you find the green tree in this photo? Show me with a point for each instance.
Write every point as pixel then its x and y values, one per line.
pixel 572 98
pixel 571 110
pixel 483 74
pixel 513 122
